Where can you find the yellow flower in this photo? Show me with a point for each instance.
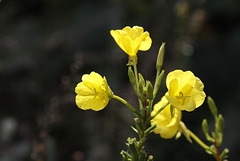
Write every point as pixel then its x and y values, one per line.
pixel 130 40
pixel 185 91
pixel 93 92
pixel 167 126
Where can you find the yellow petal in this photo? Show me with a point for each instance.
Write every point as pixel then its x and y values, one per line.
pixel 173 75
pixel 198 84
pixel 87 102
pixel 82 89
pixel 130 40
pixel 167 126
pixel 93 92
pixel 146 42
pixel 198 96
pixel 185 91
pixel 93 77
pixel 173 87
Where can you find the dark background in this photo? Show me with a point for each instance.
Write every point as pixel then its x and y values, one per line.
pixel 47 45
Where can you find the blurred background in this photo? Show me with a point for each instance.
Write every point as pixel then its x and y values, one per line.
pixel 47 45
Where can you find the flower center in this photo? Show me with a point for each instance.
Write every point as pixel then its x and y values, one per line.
pixel 95 93
pixel 181 98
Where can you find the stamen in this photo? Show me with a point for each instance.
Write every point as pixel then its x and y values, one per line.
pixel 182 98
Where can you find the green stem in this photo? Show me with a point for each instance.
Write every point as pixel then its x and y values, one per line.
pixel 136 78
pixel 202 144
pixel 128 105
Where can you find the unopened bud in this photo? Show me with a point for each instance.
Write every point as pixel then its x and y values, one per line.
pixel 224 154
pixel 212 106
pixel 141 85
pixel 205 126
pixel 150 158
pixel 219 125
pixel 131 76
pixel 160 57
pixel 149 90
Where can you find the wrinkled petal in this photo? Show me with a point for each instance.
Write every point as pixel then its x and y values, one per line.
pixel 93 78
pixel 146 42
pixel 173 87
pixel 167 126
pixel 84 90
pixel 185 91
pixel 93 92
pixel 88 102
pixel 130 40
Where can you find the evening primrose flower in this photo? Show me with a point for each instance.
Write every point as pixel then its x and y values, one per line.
pixel 167 126
pixel 130 40
pixel 93 92
pixel 185 91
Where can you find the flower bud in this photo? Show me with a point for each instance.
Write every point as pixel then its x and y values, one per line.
pixel 141 85
pixel 150 158
pixel 131 76
pixel 160 57
pixel 212 106
pixel 219 129
pixel 224 154
pixel 219 124
pixel 205 126
pixel 149 90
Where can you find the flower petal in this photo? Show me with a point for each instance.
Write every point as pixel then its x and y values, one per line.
pixel 93 92
pixel 146 42
pixel 130 40
pixel 167 126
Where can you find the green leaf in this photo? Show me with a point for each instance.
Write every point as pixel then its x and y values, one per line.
pixel 158 83
pixel 135 130
pixel 150 129
pixel 125 156
pixel 132 146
